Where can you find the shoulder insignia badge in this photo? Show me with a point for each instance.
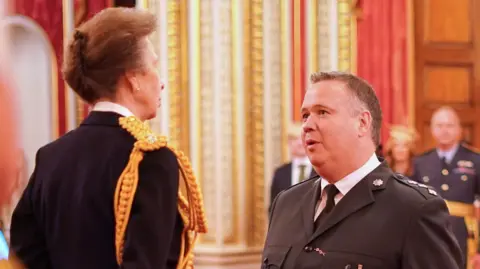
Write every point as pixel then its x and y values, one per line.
pixel 432 192
pixel 378 182
pixel 421 188
pixel 190 207
pixel 472 149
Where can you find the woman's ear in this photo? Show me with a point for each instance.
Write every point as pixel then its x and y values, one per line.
pixel 132 81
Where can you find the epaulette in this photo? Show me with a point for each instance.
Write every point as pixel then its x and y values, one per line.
pixel 470 148
pixel 426 191
pixel 426 152
pixel 191 207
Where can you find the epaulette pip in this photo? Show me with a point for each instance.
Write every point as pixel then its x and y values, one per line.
pixel 191 207
pixel 423 189
pixel 470 148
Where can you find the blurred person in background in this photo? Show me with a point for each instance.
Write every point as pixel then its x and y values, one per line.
pixel 295 171
pixel 453 168
pixel 9 142
pixel 399 149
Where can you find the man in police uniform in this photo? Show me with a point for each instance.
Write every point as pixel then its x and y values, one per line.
pixel 452 169
pixel 358 213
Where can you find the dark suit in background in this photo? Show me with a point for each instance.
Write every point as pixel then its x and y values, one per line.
pixel 385 221
pixel 457 181
pixel 65 218
pixel 282 180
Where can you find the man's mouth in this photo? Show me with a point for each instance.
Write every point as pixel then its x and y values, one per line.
pixel 310 142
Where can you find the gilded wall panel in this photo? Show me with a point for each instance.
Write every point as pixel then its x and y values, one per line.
pixel 346 37
pixel 207 127
pixel 178 87
pixel 324 35
pixel 274 103
pixel 253 66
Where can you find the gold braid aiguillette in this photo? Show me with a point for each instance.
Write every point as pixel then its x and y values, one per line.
pixel 190 207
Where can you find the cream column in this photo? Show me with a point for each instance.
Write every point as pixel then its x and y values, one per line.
pixel 322 35
pixel 228 137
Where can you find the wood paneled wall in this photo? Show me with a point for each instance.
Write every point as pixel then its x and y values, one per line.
pixel 447 64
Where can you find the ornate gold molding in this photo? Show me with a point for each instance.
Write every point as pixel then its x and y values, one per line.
pixel 178 88
pixel 253 66
pixel 347 37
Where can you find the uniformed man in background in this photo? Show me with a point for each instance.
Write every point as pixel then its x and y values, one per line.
pixel 452 169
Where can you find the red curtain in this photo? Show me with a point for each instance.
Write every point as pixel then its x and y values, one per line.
pixel 382 56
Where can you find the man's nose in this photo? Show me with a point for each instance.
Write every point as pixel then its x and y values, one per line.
pixel 307 125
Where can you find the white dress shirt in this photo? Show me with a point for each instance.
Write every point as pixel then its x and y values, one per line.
pixel 449 154
pixel 345 184
pixel 296 162
pixel 106 106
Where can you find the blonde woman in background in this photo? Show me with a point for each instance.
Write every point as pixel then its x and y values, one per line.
pixel 399 149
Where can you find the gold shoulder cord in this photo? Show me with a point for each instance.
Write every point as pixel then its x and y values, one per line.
pixel 190 208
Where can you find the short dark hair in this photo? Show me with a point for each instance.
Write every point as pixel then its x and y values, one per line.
pixel 103 48
pixel 362 91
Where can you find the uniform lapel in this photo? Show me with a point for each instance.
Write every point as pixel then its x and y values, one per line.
pixel 360 196
pixel 309 203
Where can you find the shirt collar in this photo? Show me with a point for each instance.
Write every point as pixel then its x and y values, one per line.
pixel 106 106
pixel 345 184
pixel 301 160
pixel 449 154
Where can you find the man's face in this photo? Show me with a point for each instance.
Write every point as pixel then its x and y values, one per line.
pixel 331 125
pixel 446 128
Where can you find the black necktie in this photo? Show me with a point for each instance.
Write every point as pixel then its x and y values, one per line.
pixel 331 191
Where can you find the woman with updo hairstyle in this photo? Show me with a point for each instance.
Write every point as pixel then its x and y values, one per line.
pixel 399 149
pixel 106 195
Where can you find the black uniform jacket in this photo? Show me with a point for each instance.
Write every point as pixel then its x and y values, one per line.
pixel 458 181
pixel 65 218
pixel 385 221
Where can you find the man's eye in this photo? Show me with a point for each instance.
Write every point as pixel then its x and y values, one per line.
pixel 304 116
pixel 322 112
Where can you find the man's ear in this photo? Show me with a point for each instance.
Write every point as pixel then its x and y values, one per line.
pixel 132 81
pixel 365 122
